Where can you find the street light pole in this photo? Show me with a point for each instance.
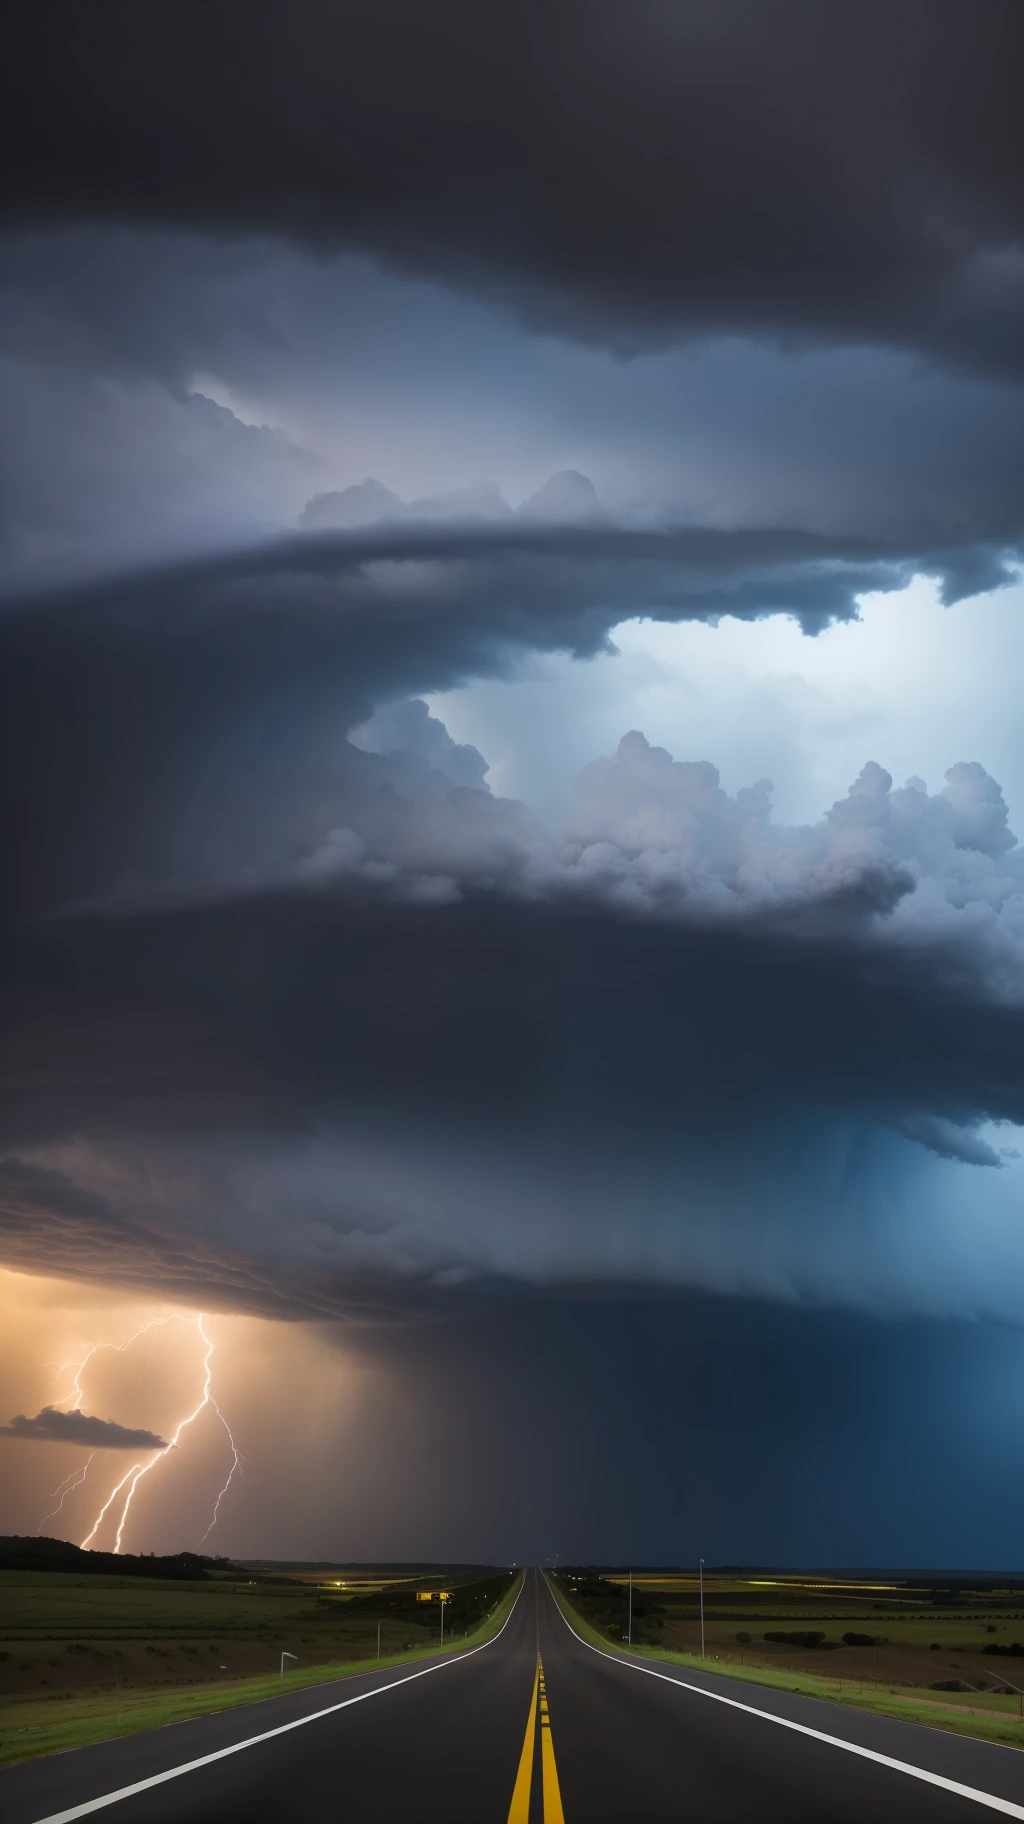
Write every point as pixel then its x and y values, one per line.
pixel 442 1621
pixel 285 1656
pixel 629 1629
pixel 702 1608
pixel 378 1640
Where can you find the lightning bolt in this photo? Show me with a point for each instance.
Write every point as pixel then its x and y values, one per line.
pixel 76 1392
pixel 107 1503
pixel 236 1466
pixel 64 1489
pixel 207 1400
pixel 135 1474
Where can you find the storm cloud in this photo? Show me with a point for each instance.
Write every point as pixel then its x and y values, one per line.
pixel 699 1030
pixel 53 1426
pixel 849 174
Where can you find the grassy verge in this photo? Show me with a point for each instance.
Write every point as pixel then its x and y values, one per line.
pixel 32 1726
pixel 988 1716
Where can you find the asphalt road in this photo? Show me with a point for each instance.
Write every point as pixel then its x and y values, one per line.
pixel 535 1728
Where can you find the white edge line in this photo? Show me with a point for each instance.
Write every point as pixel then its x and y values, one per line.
pixel 221 1754
pixel 1006 1806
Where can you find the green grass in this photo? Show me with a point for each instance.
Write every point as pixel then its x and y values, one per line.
pixel 58 1605
pixel 33 1726
pixel 988 1716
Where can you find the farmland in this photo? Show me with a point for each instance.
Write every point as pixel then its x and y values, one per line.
pixel 96 1647
pixel 951 1648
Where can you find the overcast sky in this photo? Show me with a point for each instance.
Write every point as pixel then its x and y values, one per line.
pixel 511 611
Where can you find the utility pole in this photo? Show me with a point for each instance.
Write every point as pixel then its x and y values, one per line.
pixel 629 1629
pixel 702 1608
pixel 285 1656
pixel 442 1621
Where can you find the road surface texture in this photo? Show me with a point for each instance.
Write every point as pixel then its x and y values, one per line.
pixel 537 1727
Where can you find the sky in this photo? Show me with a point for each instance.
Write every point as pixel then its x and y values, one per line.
pixel 511 603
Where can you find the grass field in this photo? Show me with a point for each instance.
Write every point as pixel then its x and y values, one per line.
pixel 896 1676
pixel 87 1659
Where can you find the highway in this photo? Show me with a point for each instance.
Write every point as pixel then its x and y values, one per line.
pixel 536 1727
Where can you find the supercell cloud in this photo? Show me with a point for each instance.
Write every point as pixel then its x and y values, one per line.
pixel 509 334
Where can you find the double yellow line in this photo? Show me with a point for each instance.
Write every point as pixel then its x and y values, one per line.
pixel 519 1810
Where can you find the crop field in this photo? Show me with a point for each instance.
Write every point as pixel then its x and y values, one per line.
pixel 110 1647
pixel 955 1648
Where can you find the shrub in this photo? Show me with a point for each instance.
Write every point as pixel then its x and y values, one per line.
pixel 852 1639
pixel 797 1637
pixel 950 1684
pixel 1016 1651
pixel 743 1637
pixel 935 1648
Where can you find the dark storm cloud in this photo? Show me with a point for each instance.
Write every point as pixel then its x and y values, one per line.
pixel 52 1426
pixel 308 1021
pixel 849 173
pixel 114 457
pixel 426 1102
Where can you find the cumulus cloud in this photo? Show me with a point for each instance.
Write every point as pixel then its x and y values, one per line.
pixel 52 1426
pixel 407 727
pixel 157 721
pixel 482 154
pixel 890 874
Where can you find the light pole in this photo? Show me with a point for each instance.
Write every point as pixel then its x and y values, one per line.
pixel 702 1608
pixel 378 1640
pixel 442 1621
pixel 285 1656
pixel 629 1629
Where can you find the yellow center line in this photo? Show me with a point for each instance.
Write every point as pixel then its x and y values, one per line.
pixel 519 1810
pixel 553 1813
